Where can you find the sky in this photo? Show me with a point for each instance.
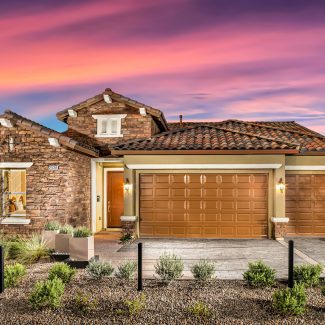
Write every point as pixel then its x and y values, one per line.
pixel 209 60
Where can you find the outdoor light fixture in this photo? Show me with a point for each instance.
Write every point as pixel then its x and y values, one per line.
pixel 127 185
pixel 281 186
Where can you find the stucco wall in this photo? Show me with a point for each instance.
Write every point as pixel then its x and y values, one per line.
pixel 63 194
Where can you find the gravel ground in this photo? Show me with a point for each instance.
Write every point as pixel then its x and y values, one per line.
pixel 231 302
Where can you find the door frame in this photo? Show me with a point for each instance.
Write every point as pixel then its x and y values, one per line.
pixel 106 170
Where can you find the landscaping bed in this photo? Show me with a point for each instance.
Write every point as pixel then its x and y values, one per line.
pixel 230 302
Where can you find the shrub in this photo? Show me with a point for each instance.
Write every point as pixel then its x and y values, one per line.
pixel 136 305
pixel 62 271
pixel 99 269
pixel 35 249
pixel 308 274
pixel 52 225
pixel 13 274
pixel 323 290
pixel 260 275
pixel 203 270
pixel 169 267
pixel 14 248
pixel 127 237
pixel 82 232
pixel 66 229
pixel 84 303
pixel 290 301
pixel 47 294
pixel 127 270
pixel 200 310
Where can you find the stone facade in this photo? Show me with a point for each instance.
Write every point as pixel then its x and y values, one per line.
pixel 62 194
pixel 134 125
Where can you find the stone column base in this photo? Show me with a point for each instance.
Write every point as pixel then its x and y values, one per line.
pixel 279 228
pixel 129 224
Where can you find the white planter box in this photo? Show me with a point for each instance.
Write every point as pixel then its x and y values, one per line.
pixel 82 249
pixel 62 243
pixel 49 237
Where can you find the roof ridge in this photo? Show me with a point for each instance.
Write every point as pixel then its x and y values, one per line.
pixel 48 131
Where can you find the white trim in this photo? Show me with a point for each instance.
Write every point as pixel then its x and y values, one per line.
pixel 204 166
pixel 54 142
pixel 129 218
pixel 108 159
pixel 16 164
pixel 278 219
pixel 93 194
pixel 109 118
pixel 107 99
pixel 6 123
pixel 119 135
pixel 106 170
pixel 319 167
pixel 142 111
pixel 15 221
pixel 72 113
pixel 99 116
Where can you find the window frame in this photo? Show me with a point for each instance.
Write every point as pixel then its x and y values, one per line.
pixel 7 193
pixel 108 119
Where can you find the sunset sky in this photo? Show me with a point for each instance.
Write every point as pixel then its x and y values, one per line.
pixel 205 59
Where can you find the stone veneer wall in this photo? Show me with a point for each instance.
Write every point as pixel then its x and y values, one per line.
pixel 63 195
pixel 134 126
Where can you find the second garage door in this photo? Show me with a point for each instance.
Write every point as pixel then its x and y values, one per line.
pixel 204 205
pixel 305 204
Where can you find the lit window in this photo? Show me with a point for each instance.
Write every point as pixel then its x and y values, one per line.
pixel 14 193
pixel 109 125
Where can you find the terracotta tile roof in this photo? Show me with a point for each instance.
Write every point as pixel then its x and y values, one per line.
pixel 62 138
pixel 231 135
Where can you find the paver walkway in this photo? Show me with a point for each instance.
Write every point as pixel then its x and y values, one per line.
pixel 231 256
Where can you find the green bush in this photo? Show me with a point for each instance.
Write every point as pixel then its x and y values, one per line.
pixel 13 274
pixel 136 305
pixel 291 301
pixel 127 270
pixel 62 271
pixel 66 229
pixel 15 248
pixel 308 274
pixel 323 290
pixel 47 294
pixel 259 275
pixel 52 225
pixel 35 249
pixel 84 303
pixel 82 232
pixel 127 237
pixel 203 270
pixel 169 267
pixel 99 269
pixel 200 310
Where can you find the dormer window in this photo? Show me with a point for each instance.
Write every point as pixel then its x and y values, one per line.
pixel 109 126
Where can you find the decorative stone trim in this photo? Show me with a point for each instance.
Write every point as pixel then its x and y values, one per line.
pixel 15 221
pixel 280 227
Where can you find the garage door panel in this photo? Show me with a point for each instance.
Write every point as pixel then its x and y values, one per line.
pixel 204 205
pixel 305 204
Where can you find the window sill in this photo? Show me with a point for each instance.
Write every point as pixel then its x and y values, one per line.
pixel 108 135
pixel 15 221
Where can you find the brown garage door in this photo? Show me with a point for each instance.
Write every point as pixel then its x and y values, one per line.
pixel 305 204
pixel 204 205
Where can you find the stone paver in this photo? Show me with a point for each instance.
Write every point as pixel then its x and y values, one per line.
pixel 230 256
pixel 311 246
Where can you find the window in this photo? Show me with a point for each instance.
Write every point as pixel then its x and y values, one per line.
pixel 13 193
pixel 109 125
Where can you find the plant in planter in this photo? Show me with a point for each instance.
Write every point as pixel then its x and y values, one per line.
pixel 62 239
pixel 51 228
pixel 81 245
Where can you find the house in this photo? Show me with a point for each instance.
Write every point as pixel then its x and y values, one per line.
pixel 120 163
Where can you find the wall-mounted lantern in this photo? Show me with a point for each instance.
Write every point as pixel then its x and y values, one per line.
pixel 281 186
pixel 127 185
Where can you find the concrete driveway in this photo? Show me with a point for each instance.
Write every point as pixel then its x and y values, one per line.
pixel 231 256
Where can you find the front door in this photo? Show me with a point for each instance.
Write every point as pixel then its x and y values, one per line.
pixel 115 198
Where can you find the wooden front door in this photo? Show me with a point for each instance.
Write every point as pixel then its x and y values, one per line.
pixel 115 198
pixel 204 205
